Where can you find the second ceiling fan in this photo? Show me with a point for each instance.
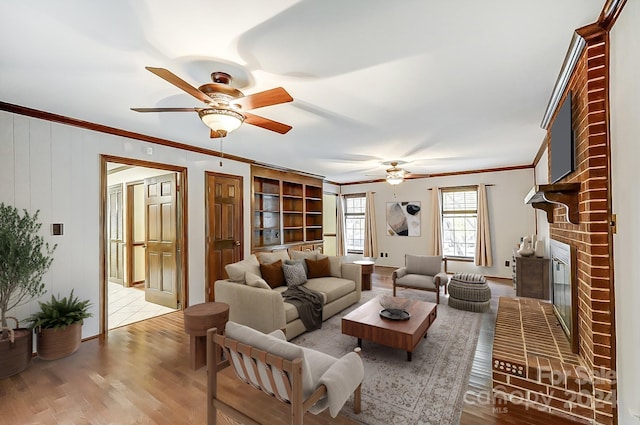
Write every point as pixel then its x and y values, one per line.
pixel 226 107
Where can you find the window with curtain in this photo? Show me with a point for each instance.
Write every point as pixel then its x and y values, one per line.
pixel 355 207
pixel 459 221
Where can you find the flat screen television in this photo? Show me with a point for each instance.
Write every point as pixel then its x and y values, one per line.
pixel 562 143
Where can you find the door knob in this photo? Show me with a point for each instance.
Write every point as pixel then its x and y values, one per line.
pixel 236 243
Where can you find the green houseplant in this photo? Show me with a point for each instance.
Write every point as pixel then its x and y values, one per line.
pixel 58 326
pixel 24 259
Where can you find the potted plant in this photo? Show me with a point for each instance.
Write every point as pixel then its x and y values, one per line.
pixel 24 259
pixel 58 326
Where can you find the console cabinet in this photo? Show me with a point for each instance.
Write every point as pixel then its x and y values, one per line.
pixel 287 210
pixel 532 277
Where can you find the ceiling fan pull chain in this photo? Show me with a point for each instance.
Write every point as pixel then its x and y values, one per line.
pixel 221 152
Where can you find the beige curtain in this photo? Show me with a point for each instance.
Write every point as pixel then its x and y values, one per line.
pixel 483 238
pixel 341 242
pixel 370 234
pixel 436 222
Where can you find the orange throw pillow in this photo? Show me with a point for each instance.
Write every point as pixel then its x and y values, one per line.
pixel 273 274
pixel 319 268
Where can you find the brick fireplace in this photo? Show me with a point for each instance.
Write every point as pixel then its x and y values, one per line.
pixel 522 373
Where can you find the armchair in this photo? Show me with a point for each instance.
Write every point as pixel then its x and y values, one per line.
pixel 305 379
pixel 421 272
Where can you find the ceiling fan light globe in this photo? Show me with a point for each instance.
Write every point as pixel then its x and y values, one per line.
pixel 394 179
pixel 222 121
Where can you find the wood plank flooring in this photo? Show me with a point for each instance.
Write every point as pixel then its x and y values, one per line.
pixel 139 374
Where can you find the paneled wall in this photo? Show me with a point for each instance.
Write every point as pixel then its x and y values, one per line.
pixel 55 168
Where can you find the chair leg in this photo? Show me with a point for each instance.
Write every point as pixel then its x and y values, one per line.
pixel 394 290
pixel 438 296
pixel 357 399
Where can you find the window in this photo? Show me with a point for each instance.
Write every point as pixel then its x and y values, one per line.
pixel 354 223
pixel 459 221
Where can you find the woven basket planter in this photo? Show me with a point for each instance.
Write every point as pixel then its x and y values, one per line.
pixel 54 344
pixel 15 351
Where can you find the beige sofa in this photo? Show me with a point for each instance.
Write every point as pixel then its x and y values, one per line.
pixel 253 305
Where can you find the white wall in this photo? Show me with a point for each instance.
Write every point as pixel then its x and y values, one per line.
pixel 55 168
pixel 509 219
pixel 542 177
pixel 625 151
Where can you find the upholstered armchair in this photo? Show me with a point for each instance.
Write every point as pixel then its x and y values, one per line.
pixel 304 379
pixel 421 272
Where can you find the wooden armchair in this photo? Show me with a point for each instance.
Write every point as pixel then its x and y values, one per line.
pixel 421 272
pixel 305 379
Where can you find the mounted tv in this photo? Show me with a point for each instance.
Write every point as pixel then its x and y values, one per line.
pixel 562 144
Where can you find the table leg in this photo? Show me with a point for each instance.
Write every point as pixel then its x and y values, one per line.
pixel 198 351
pixel 360 342
pixel 409 356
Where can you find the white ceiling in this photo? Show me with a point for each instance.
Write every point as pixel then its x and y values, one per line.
pixel 443 85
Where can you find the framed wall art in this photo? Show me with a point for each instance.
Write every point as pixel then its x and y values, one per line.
pixel 403 218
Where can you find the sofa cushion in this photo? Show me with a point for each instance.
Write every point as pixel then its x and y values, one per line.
pixel 331 288
pixel 417 280
pixel 236 271
pixel 272 257
pixel 272 273
pixel 302 255
pixel 294 274
pixel 335 264
pixel 256 281
pixel 299 261
pixel 318 268
pixel 429 265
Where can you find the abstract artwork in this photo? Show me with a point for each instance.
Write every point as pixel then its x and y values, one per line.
pixel 403 218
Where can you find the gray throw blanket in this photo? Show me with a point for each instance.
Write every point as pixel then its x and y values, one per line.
pixel 308 303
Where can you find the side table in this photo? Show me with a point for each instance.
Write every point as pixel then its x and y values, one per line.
pixel 367 270
pixel 198 319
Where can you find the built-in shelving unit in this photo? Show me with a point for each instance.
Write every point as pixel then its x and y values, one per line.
pixel 287 210
pixel 544 196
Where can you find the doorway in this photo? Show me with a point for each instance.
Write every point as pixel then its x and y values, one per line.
pixel 144 233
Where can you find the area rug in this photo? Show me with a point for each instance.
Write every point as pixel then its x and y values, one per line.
pixel 427 390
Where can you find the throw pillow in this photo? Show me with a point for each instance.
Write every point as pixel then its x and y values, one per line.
pixel 272 273
pixel 319 268
pixel 294 274
pixel 236 271
pixel 300 261
pixel 335 264
pixel 256 281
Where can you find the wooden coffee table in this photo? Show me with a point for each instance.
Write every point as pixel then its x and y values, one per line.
pixel 365 323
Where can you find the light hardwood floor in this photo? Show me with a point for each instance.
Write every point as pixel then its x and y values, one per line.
pixel 140 374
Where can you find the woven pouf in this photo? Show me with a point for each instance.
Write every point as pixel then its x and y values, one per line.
pixel 470 292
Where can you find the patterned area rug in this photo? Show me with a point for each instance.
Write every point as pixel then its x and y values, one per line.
pixel 427 390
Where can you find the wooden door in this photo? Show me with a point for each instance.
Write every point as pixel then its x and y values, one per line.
pixel 161 283
pixel 224 232
pixel 116 235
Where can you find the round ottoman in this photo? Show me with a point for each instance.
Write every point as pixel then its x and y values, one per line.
pixel 198 319
pixel 470 292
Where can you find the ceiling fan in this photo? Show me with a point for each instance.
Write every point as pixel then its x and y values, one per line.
pixel 395 174
pixel 225 107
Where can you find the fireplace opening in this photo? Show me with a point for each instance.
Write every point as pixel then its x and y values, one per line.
pixel 564 289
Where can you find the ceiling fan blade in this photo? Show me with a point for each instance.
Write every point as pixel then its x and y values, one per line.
pixel 263 122
pixel 180 83
pixel 165 109
pixel 262 99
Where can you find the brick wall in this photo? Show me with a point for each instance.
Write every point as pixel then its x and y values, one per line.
pixel 592 238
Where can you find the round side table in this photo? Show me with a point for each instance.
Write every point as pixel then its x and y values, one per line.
pixel 367 269
pixel 198 319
